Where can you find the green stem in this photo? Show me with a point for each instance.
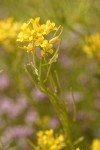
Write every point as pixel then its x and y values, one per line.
pixel 62 114
pixel 73 99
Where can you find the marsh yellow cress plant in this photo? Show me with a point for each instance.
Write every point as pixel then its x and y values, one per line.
pixel 92 46
pixel 35 35
pixel 39 41
pixel 8 32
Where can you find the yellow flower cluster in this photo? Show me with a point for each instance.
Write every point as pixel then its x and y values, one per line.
pixel 8 32
pixel 47 141
pixel 34 35
pixel 92 47
pixel 95 144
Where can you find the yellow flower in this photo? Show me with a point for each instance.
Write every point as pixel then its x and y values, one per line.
pixel 47 141
pixel 8 32
pixel 95 144
pixel 92 46
pixel 35 23
pixel 39 41
pixel 77 148
pixel 26 35
pixel 30 48
pixel 49 27
pixel 35 33
pixel 47 48
pixel 24 26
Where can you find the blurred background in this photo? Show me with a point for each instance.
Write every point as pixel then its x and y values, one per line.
pixel 24 111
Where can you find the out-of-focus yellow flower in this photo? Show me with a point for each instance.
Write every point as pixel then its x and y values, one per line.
pixel 36 34
pixel 77 148
pixel 95 144
pixel 92 46
pixel 47 141
pixel 8 32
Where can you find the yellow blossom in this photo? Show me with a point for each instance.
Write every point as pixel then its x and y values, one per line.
pixel 95 144
pixel 26 35
pixel 29 48
pixel 47 140
pixel 50 27
pixel 8 32
pixel 77 148
pixel 92 46
pixel 47 47
pixel 35 33
pixel 35 23
pixel 39 41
